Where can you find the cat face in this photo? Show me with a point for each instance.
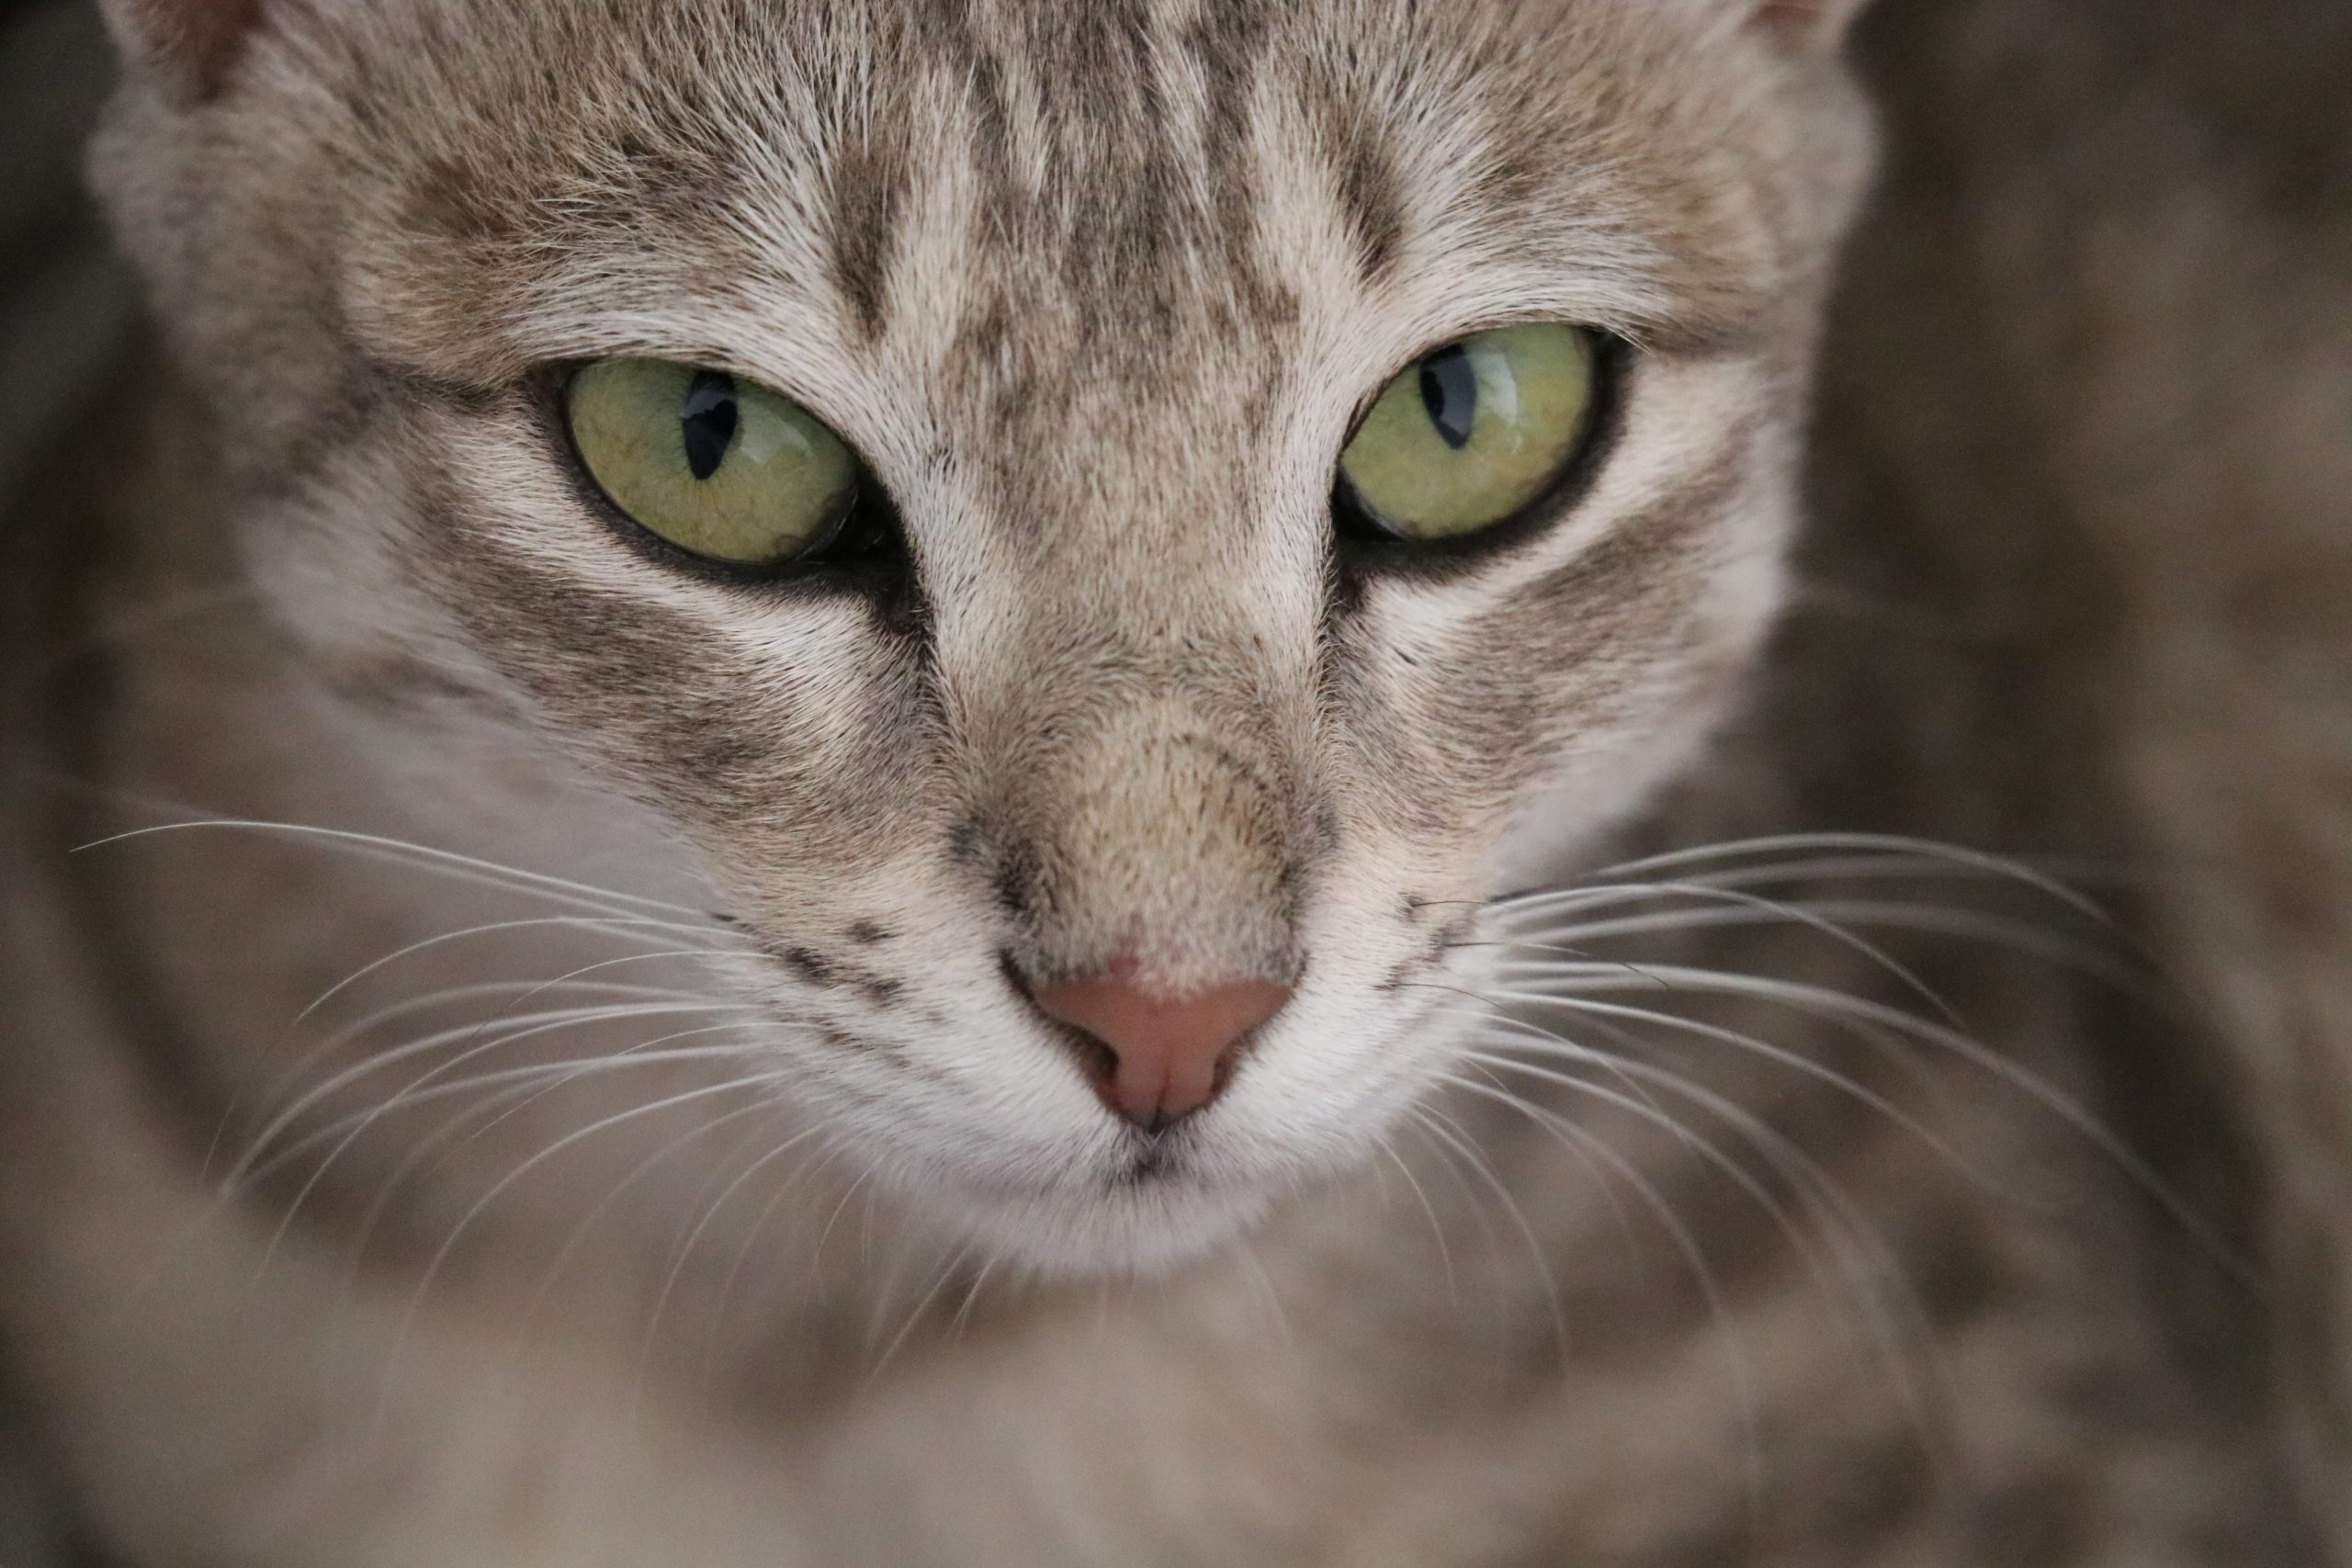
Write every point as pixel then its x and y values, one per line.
pixel 1111 700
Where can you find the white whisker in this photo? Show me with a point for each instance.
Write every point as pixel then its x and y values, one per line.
pixel 533 1083
pixel 1825 1002
pixel 1797 915
pixel 1587 1148
pixel 1934 919
pixel 1926 849
pixel 586 1223
pixel 620 925
pixel 914 1318
pixel 1867 1280
pixel 1437 1227
pixel 971 1295
pixel 505 1183
pixel 1793 1061
pixel 549 1021
pixel 760 1224
pixel 463 867
pixel 428 1001
pixel 708 1212
pixel 1439 1125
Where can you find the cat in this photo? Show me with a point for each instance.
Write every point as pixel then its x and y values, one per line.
pixel 959 781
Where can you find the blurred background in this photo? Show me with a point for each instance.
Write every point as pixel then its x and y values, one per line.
pixel 64 304
pixel 63 296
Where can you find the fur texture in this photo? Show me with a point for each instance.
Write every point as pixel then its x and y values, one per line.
pixel 570 1109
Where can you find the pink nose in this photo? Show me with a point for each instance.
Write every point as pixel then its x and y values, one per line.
pixel 1168 1053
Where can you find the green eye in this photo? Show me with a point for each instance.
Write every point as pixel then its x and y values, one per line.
pixel 728 470
pixel 1475 432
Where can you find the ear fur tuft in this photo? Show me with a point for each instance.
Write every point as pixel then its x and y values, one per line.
pixel 1815 22
pixel 195 41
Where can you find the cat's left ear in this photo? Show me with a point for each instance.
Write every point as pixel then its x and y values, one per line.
pixel 1812 24
pixel 194 43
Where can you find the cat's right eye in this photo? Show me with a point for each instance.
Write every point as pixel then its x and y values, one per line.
pixel 721 469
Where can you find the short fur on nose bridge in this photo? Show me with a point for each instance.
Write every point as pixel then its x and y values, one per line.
pixel 1170 1054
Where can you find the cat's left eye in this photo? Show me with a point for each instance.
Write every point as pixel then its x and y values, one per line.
pixel 719 468
pixel 1474 433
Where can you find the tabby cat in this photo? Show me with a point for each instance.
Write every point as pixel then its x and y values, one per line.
pixel 1190 782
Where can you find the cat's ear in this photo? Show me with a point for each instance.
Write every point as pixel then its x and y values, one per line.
pixel 1814 24
pixel 193 42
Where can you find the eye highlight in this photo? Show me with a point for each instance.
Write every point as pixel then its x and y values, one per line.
pixel 718 466
pixel 1472 435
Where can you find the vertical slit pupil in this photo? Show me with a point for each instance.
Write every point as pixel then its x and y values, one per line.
pixel 1450 393
pixel 707 417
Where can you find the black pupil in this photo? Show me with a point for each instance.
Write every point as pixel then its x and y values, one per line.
pixel 1449 391
pixel 708 416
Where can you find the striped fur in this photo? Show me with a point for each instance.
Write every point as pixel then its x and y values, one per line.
pixel 736 1211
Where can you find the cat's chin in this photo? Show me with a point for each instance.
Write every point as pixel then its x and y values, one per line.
pixel 1147 1229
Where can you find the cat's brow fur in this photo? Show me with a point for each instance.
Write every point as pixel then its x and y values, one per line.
pixel 854 1268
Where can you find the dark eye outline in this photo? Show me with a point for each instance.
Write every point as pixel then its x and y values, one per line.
pixel 1366 545
pixel 864 548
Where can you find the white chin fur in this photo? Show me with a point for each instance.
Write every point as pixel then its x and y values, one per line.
pixel 1150 1229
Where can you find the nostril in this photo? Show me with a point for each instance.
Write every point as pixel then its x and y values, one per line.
pixel 1154 1057
pixel 1097 1061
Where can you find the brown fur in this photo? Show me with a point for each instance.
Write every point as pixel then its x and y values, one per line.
pixel 1097 291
